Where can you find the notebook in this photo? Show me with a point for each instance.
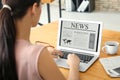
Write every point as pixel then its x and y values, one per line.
pixel 111 65
pixel 79 37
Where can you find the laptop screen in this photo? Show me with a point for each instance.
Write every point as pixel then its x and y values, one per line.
pixel 79 35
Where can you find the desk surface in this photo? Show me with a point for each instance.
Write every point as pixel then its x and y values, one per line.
pixel 48 33
pixel 47 1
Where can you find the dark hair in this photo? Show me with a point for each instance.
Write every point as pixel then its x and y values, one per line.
pixel 0 4
pixel 8 69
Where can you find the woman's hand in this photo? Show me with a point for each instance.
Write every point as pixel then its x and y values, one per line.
pixel 54 52
pixel 73 60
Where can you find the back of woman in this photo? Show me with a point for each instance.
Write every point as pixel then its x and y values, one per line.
pixel 19 59
pixel 12 10
pixel 27 59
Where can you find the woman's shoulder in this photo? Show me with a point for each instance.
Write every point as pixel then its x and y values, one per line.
pixel 26 44
pixel 23 46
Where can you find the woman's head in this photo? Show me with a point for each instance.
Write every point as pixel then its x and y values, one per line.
pixel 19 8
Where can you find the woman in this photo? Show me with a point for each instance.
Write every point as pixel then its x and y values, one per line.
pixel 19 59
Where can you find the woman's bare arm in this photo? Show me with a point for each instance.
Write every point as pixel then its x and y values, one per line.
pixel 47 67
pixel 49 70
pixel 73 62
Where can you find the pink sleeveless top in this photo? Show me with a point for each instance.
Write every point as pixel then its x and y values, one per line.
pixel 26 58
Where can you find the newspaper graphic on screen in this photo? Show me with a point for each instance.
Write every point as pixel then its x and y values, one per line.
pixel 79 35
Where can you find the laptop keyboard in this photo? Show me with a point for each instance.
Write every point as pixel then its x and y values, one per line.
pixel 83 57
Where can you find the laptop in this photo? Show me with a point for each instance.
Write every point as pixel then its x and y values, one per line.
pixel 79 37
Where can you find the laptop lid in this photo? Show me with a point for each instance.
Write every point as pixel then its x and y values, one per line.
pixel 79 35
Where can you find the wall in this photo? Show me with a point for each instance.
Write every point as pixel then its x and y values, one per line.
pixel 107 5
pixel 100 5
